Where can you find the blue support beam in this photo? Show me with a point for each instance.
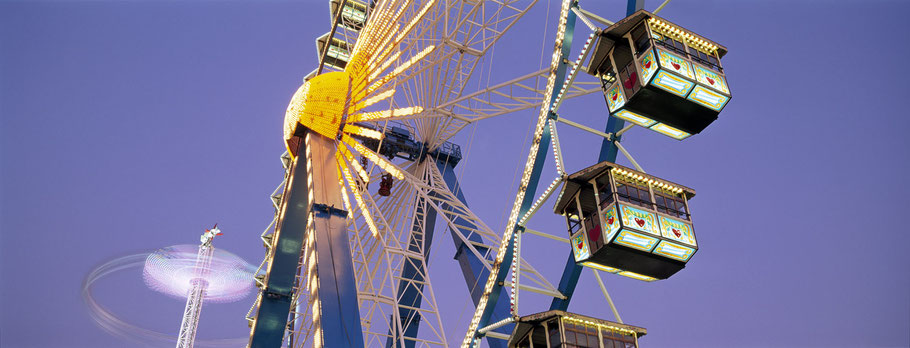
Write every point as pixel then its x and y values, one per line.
pixel 339 316
pixel 409 293
pixel 399 143
pixel 473 269
pixel 337 288
pixel 608 152
pixel 275 304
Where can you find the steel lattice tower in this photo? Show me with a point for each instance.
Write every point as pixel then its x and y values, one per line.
pixel 196 294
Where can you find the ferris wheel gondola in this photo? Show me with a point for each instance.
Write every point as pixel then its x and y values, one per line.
pixel 659 75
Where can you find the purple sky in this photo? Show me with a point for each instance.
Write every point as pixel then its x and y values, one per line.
pixel 129 126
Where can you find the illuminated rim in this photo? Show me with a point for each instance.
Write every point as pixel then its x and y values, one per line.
pixel 112 324
pixel 171 270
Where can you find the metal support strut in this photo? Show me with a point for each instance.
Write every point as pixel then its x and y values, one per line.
pixel 319 228
pixel 608 152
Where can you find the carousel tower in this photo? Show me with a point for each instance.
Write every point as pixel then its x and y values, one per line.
pixel 198 286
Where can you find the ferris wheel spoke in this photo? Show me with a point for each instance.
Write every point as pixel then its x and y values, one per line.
pixel 526 268
pixel 512 96
pixel 475 30
pixel 484 22
pixel 471 29
pixel 535 276
pixel 374 287
pixel 451 200
pixel 501 99
pixel 396 258
pixel 417 289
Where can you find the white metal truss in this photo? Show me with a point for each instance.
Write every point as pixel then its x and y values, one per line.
pixel 451 207
pixel 460 34
pixel 378 265
pixel 457 35
pixel 435 48
pixel 504 98
pixel 194 298
pixel 424 183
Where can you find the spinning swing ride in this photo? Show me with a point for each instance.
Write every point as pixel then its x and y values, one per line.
pixel 347 268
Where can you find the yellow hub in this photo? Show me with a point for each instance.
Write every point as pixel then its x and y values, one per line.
pixel 319 105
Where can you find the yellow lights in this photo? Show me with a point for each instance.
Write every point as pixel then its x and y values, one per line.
pixel 471 335
pixel 384 66
pixel 379 83
pixel 599 325
pixel 557 153
pixel 318 105
pixel 344 195
pixel 377 27
pixel 291 119
pixel 361 131
pixel 364 177
pixel 571 75
pixel 317 337
pixel 691 40
pixel 417 57
pixel 377 98
pixel 375 115
pixel 620 173
pixel 546 193
pixel 328 104
pixel 373 157
pixel 667 188
pixel 414 20
pixel 516 271
pixel 382 39
pixel 357 196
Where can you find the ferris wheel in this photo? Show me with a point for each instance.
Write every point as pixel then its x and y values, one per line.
pixel 346 261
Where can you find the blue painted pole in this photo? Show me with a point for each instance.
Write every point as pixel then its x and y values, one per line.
pixel 275 304
pixel 534 179
pixel 409 293
pixel 608 151
pixel 313 192
pixel 472 268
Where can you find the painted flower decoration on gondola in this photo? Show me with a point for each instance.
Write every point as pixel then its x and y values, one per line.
pixel 335 104
pixel 615 100
pixel 648 67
